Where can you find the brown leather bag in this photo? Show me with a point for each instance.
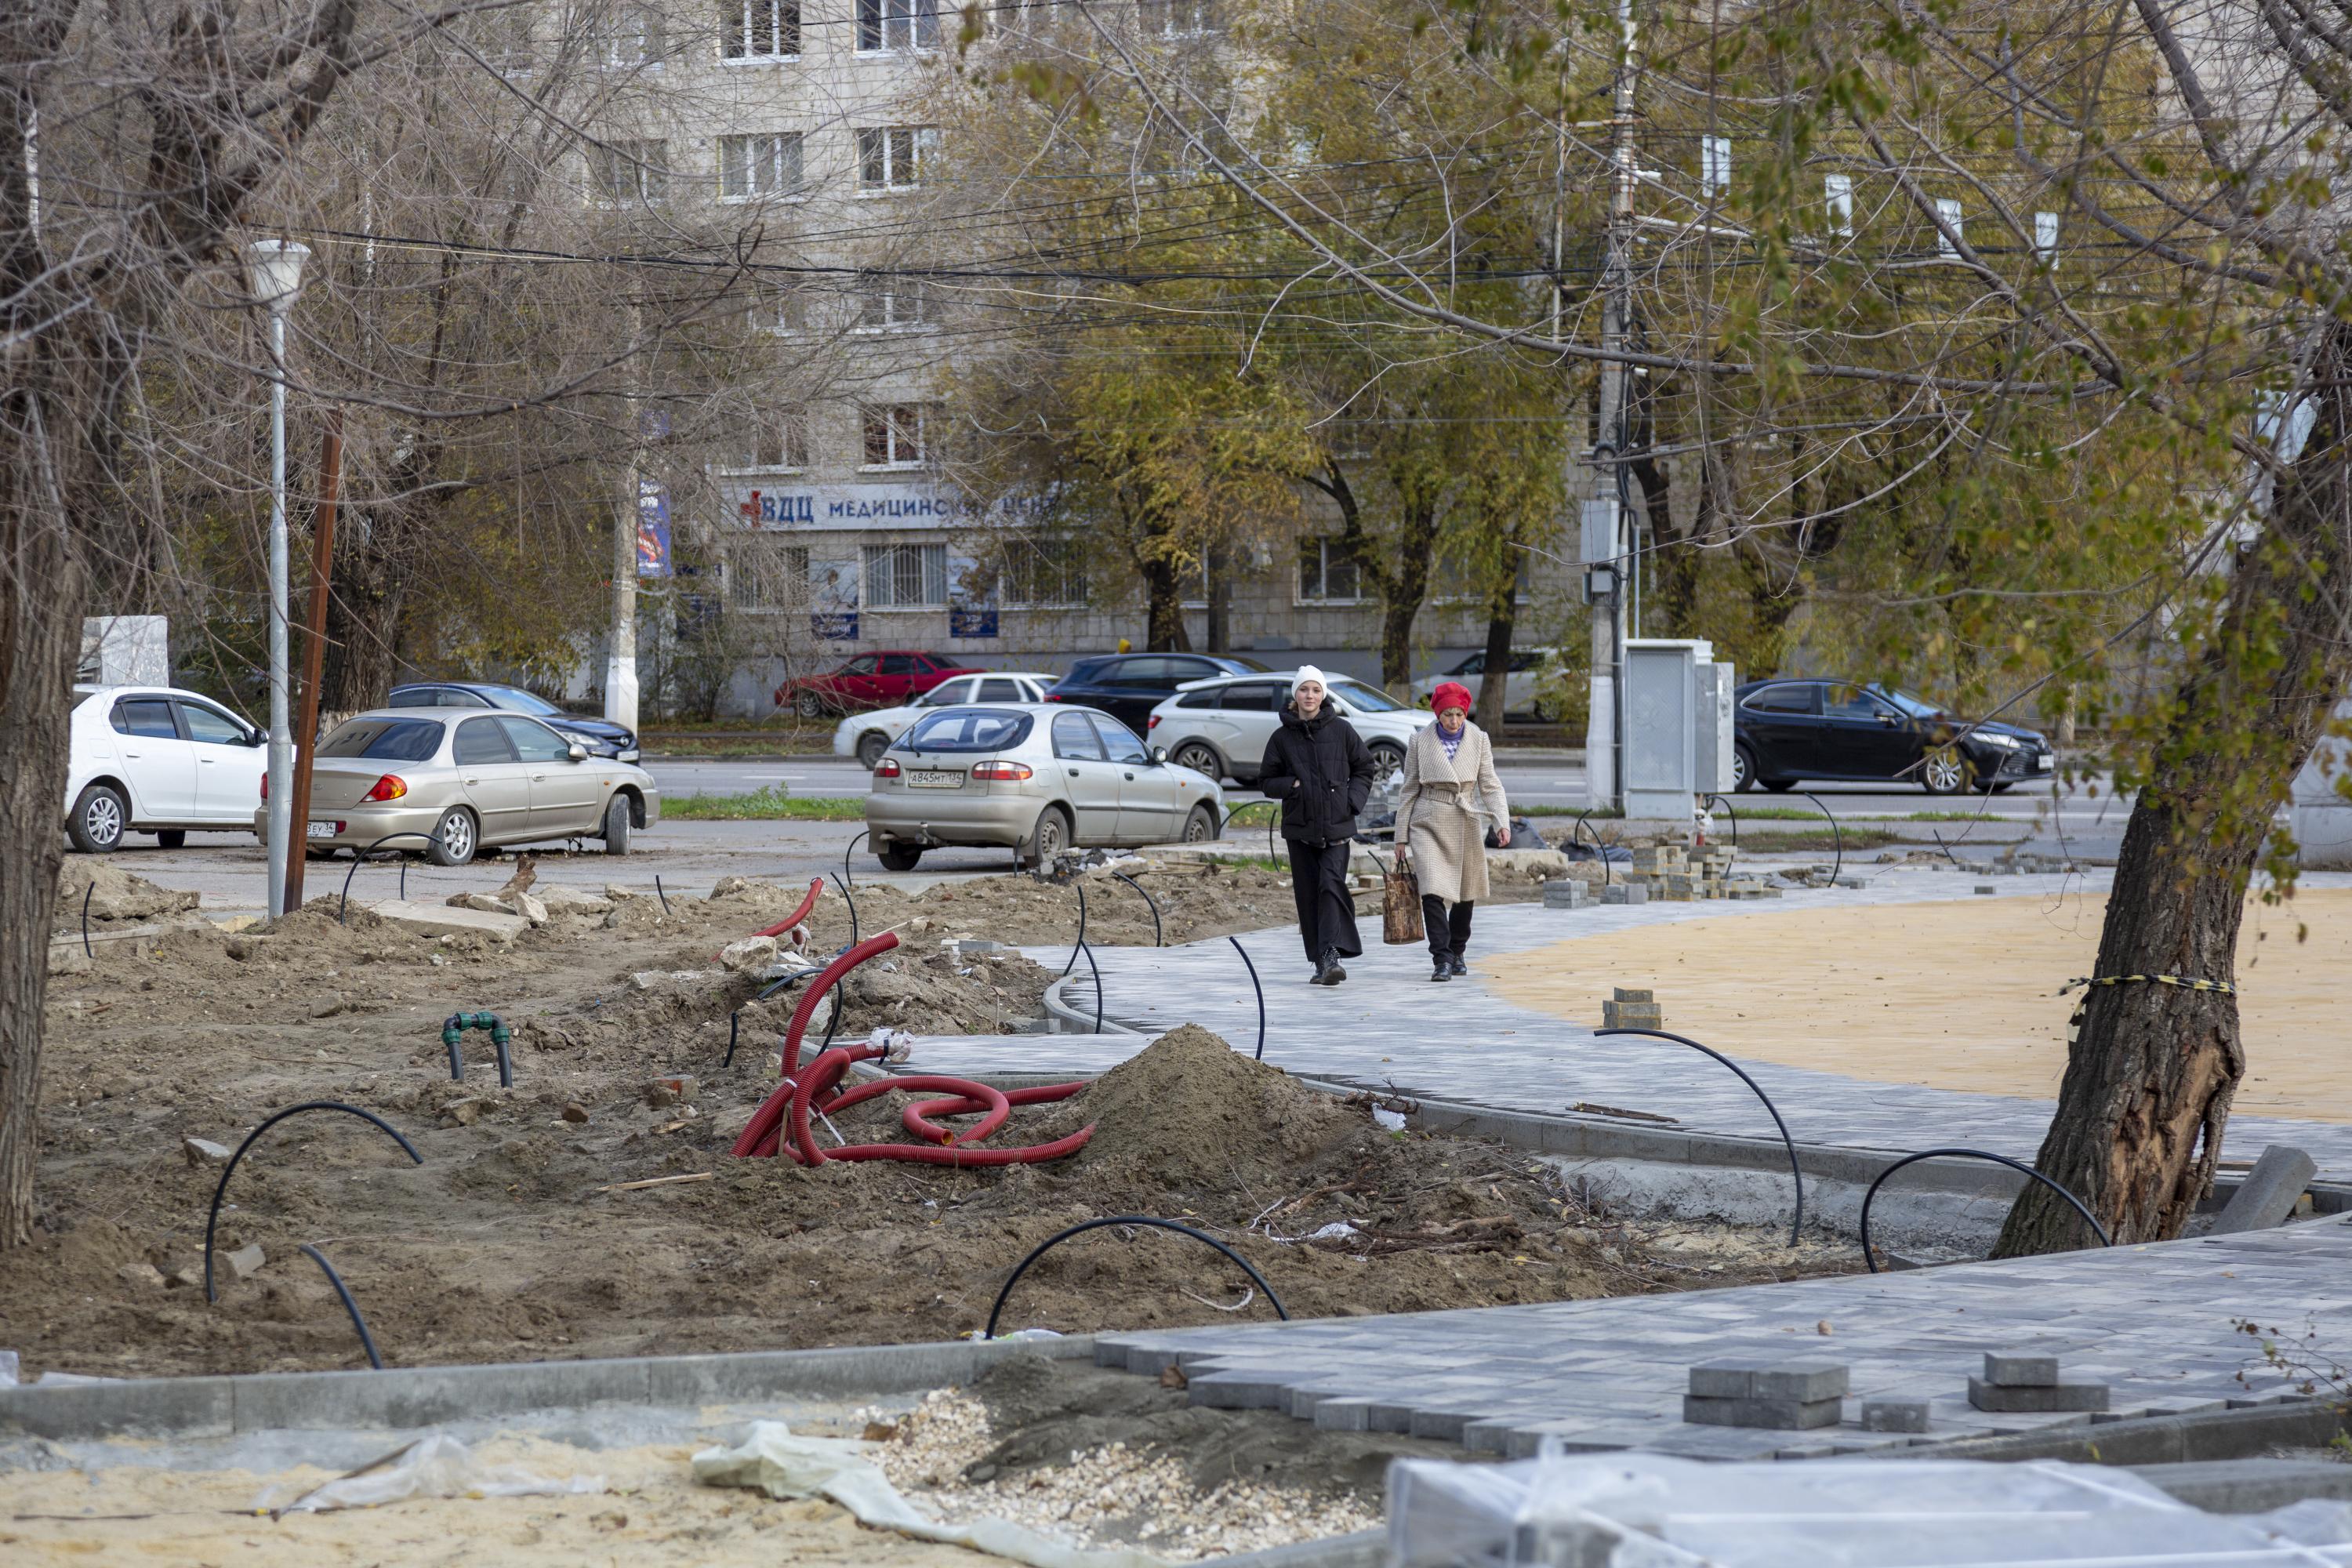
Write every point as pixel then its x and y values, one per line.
pixel 1400 907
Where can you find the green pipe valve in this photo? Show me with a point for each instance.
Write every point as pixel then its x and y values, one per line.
pixel 455 1029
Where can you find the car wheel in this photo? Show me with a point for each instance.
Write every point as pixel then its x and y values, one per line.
pixel 616 825
pixel 1201 757
pixel 808 705
pixel 454 838
pixel 1049 838
pixel 1947 772
pixel 171 837
pixel 1387 755
pixel 1743 768
pixel 870 747
pixel 1201 827
pixel 899 856
pixel 99 817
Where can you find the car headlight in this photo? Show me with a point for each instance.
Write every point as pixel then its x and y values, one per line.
pixel 2006 742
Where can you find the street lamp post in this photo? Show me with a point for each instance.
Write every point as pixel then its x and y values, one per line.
pixel 274 270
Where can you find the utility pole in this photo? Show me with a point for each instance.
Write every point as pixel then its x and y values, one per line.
pixel 274 270
pixel 314 656
pixel 621 665
pixel 1604 723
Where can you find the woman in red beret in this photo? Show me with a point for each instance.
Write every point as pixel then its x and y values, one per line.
pixel 1451 792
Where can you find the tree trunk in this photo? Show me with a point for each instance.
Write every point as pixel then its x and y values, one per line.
pixel 1164 594
pixel 1221 601
pixel 2151 1074
pixel 1502 619
pixel 363 620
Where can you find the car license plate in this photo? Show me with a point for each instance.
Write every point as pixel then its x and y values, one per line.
pixel 2045 763
pixel 931 778
pixel 322 830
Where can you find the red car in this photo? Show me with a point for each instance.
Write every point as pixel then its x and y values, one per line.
pixel 882 680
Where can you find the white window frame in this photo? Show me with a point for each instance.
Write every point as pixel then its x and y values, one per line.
pixel 773 156
pixel 612 31
pixel 884 564
pixel 1326 543
pixel 1713 164
pixel 1949 209
pixel 778 315
pixel 1178 18
pixel 789 428
pixel 896 27
pixel 751 588
pixel 2045 236
pixel 1837 195
pixel 1063 560
pixel 644 163
pixel 887 303
pixel 903 149
pixel 737 25
pixel 897 420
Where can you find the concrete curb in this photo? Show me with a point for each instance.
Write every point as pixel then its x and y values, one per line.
pixel 1078 1017
pixel 426 1395
pixel 2288 1421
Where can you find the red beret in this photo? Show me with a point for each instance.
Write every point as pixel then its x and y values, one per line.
pixel 1450 694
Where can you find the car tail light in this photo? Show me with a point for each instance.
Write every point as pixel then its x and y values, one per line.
pixel 265 783
pixel 1004 773
pixel 391 786
pixel 1051 697
pixel 1155 723
pixel 887 769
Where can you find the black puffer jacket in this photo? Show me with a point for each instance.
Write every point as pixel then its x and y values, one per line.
pixel 1322 772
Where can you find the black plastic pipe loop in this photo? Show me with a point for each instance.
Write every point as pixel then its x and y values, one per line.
pixel 1712 801
pixel 1149 900
pixel 1837 837
pixel 453 1030
pixel 660 894
pixel 846 877
pixel 367 1340
pixel 85 892
pixel 1077 882
pixel 1060 1236
pixel 212 1219
pixel 734 1028
pixel 2088 1218
pixel 1269 823
pixel 1260 1054
pixel 1098 974
pixel 852 899
pixel 1795 1172
pixel 343 910
pixel 1598 848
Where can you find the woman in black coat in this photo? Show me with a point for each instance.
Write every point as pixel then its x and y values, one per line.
pixel 1319 769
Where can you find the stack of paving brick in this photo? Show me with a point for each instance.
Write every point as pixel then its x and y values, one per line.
pixel 1625 893
pixel 1630 1009
pixel 2013 1384
pixel 1782 1396
pixel 1569 893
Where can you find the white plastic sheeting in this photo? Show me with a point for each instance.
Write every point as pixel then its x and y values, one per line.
pixel 1647 1511
pixel 435 1465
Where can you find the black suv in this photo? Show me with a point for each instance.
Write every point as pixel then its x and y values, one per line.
pixel 1792 730
pixel 600 736
pixel 1128 686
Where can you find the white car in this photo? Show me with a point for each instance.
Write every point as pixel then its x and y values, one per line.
pixel 1220 726
pixel 867 736
pixel 1518 683
pixel 153 759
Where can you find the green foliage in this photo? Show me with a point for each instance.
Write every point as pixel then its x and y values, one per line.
pixel 766 804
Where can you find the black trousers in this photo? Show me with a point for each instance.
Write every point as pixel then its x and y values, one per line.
pixel 1449 930
pixel 1327 910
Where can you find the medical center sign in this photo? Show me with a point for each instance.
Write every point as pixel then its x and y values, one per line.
pixel 894 506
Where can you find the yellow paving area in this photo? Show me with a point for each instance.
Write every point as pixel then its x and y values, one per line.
pixel 1953 993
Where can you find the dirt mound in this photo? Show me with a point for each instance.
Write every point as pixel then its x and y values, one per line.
pixel 114 894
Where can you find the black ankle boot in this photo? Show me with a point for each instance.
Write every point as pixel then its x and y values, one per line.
pixel 1441 968
pixel 1332 974
pixel 1454 966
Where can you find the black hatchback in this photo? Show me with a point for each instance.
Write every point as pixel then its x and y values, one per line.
pixel 1128 686
pixel 1791 730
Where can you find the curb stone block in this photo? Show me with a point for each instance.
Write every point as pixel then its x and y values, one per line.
pixel 1895 1416
pixel 2005 1370
pixel 2056 1397
pixel 1778 1415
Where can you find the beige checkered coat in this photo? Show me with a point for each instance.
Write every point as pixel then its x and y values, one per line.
pixel 1445 810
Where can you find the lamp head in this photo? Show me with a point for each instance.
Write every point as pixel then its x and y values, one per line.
pixel 273 269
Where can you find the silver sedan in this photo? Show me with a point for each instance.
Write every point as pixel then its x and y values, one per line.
pixel 1038 777
pixel 451 786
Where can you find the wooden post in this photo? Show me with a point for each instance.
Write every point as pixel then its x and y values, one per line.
pixel 306 736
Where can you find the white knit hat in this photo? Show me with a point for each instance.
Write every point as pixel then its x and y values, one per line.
pixel 1307 673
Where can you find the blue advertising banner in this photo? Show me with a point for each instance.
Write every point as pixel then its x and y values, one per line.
pixel 653 528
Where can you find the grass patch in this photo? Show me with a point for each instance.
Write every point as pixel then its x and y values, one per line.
pixel 1817 839
pixel 1604 813
pixel 767 803
pixel 1947 817
pixel 1777 813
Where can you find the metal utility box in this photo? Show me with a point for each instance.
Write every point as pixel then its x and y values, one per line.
pixel 1711 735
pixel 1662 724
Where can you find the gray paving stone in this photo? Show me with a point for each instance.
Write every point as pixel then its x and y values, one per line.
pixel 2041 1400
pixel 2020 1370
pixel 1782 1414
pixel 1895 1416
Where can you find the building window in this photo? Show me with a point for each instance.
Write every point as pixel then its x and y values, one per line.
pixel 625 174
pixel 779 441
pixel 1044 573
pixel 1837 193
pixel 1948 209
pixel 1179 18
pixel 762 574
pixel 885 304
pixel 626 35
pixel 1328 572
pixel 776 310
pixel 886 24
pixel 894 435
pixel 906 576
pixel 751 167
pixel 891 157
pixel 759 30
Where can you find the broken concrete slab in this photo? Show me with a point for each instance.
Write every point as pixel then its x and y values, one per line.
pixel 561 899
pixel 246 1261
pixel 69 958
pixel 115 894
pixel 438 920
pixel 204 1152
pixel 2270 1191
pixel 753 955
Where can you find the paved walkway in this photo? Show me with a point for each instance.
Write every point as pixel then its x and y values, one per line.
pixel 1388 1027
pixel 2156 1323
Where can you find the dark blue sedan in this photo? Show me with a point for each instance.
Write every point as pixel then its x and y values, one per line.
pixel 600 736
pixel 1790 730
pixel 1128 686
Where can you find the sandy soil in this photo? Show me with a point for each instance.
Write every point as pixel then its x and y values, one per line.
pixel 506 1245
pixel 1960 994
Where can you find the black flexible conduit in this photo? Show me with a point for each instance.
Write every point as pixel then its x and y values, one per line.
pixel 1598 848
pixel 85 892
pixel 1260 1055
pixel 1148 899
pixel 1080 883
pixel 1795 1172
pixel 1097 973
pixel 659 893
pixel 343 910
pixel 367 1340
pixel 212 1219
pixel 1060 1236
pixel 1715 800
pixel 853 910
pixel 734 1028
pixel 2088 1218
pixel 846 876
pixel 1269 822
pixel 1837 837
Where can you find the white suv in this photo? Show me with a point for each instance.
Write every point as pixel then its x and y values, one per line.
pixel 1220 726
pixel 157 760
